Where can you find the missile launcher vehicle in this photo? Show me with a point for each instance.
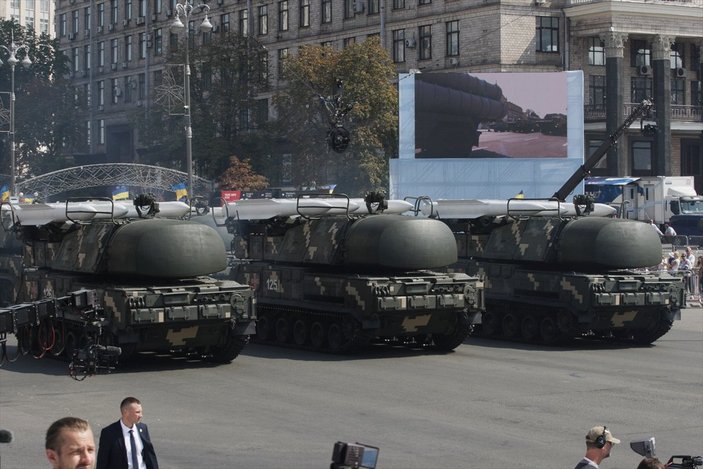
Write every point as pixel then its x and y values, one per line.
pixel 148 278
pixel 550 278
pixel 332 274
pixel 554 270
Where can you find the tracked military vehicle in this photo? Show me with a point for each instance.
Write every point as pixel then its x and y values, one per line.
pixel 148 279
pixel 554 270
pixel 333 274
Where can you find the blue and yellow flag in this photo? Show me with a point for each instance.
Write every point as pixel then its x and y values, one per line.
pixel 181 190
pixel 120 193
pixel 5 193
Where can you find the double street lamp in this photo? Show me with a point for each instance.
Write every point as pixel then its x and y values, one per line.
pixel 184 10
pixel 13 50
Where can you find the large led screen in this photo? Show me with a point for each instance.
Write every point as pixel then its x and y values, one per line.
pixel 487 135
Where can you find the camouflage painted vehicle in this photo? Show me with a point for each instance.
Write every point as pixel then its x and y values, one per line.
pixel 150 277
pixel 551 278
pixel 336 282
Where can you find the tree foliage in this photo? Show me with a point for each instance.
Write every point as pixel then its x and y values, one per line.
pixel 366 74
pixel 44 106
pixel 226 76
pixel 240 176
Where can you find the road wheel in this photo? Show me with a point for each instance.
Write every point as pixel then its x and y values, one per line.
pixel 317 335
pixel 511 325
pixel 529 328
pixel 283 330
pixel 448 342
pixel 548 330
pixel 300 332
pixel 230 350
pixel 263 328
pixel 335 338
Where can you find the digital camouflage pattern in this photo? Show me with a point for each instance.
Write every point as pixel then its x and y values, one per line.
pixel 336 282
pixel 151 280
pixel 549 278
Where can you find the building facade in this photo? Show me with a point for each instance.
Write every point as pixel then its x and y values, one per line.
pixel 35 14
pixel 628 50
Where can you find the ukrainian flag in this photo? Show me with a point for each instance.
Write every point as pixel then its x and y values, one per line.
pixel 180 190
pixel 5 193
pixel 120 193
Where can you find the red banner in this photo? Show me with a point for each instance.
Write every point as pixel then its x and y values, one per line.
pixel 231 196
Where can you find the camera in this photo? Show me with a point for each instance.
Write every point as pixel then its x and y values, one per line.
pixel 646 448
pixel 353 456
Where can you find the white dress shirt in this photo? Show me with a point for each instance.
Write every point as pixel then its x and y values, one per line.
pixel 128 445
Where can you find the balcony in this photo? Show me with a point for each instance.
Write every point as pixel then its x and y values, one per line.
pixel 679 113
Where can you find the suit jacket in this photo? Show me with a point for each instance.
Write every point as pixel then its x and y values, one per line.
pixel 112 452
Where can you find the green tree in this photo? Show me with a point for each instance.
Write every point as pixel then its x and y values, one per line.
pixel 45 105
pixel 305 110
pixel 227 74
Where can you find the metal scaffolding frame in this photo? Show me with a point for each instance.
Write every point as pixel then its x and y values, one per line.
pixel 140 177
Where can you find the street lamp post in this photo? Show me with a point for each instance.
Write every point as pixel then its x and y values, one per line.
pixel 184 10
pixel 13 50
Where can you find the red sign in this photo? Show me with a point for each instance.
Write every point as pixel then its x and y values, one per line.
pixel 231 196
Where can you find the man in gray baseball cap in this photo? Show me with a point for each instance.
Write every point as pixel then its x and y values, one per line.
pixel 599 442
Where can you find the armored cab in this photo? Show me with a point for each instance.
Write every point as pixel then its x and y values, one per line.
pixel 549 278
pixel 149 276
pixel 336 281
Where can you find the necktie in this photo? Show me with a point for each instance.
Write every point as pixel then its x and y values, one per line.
pixel 133 444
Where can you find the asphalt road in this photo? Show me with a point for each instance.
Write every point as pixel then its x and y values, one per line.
pixel 488 405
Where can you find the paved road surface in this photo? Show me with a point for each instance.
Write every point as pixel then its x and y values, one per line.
pixel 488 405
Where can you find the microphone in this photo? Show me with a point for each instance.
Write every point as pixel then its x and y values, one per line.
pixel 5 436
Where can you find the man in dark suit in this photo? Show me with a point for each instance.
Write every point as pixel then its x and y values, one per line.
pixel 126 443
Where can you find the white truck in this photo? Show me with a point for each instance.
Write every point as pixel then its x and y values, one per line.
pixel 659 198
pixel 671 199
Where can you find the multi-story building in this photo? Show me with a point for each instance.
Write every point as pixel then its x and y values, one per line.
pixel 627 50
pixel 37 14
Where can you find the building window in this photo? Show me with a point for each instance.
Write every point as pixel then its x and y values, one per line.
pixel 283 15
pixel 128 83
pixel 115 90
pixel 282 57
pixel 75 55
pixel 596 51
pixel 243 22
pixel 398 4
pixel 142 8
pixel 74 22
pixel 547 34
pixel 593 146
pixel 676 58
pixel 128 9
pixel 87 132
pixel 263 66
pixel 326 11
pixel 142 86
pixel 425 42
pixel 101 131
pixel 374 7
pixel 640 54
pixel 63 25
pixel 641 89
pixel 101 54
pixel 128 48
pixel 158 42
pixel 399 46
pixel 113 12
pixel 641 151
pixel 678 87
pixel 224 23
pixel 596 92
pixel 261 110
pixel 696 94
pixel 142 45
pixel 304 13
pixel 157 6
pixel 424 2
pixel 348 41
pixel 349 9
pixel 452 38
pixel 86 57
pixel 87 18
pixel 114 51
pixel 263 20
pixel 101 15
pixel 101 93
